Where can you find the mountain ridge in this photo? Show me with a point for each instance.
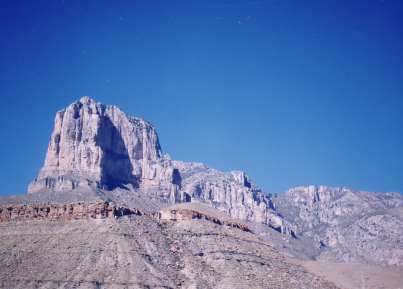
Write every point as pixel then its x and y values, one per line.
pixel 97 154
pixel 130 147
pixel 98 147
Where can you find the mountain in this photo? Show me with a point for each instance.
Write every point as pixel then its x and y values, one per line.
pixel 347 225
pixel 95 147
pixel 108 198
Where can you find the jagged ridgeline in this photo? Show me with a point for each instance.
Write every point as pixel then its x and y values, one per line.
pixel 97 148
pixel 109 209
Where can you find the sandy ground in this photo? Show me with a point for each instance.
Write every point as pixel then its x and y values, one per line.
pixel 357 276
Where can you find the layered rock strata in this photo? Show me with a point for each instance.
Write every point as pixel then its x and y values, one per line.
pixel 65 212
pixel 188 214
pixel 104 210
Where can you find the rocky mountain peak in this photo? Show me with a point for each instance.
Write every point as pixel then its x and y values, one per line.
pixel 86 100
pixel 97 145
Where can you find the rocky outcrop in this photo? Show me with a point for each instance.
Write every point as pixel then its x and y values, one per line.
pixel 71 211
pixel 231 192
pixel 65 212
pixel 347 225
pixel 189 214
pixel 98 146
pixel 103 210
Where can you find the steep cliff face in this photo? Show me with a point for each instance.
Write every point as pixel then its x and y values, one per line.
pixel 312 206
pixel 231 192
pixel 72 211
pixel 66 211
pixel 98 146
pixel 347 225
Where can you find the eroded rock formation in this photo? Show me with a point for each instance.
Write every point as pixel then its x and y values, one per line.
pixel 347 225
pixel 94 146
pixel 98 146
pixel 189 214
pixel 231 192
pixel 99 210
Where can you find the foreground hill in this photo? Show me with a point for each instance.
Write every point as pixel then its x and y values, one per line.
pixel 141 251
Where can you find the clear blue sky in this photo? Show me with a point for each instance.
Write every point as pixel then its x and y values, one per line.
pixel 292 92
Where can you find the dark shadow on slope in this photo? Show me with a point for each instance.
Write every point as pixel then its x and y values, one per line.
pixel 117 170
pixel 176 177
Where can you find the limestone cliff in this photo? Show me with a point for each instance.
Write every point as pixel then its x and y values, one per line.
pixel 347 225
pixel 98 146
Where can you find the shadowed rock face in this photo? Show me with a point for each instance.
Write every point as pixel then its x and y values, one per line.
pixel 93 145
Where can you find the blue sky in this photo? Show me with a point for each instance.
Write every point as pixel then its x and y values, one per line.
pixel 292 92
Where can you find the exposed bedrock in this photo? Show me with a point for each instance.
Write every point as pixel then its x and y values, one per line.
pixel 98 150
pixel 98 147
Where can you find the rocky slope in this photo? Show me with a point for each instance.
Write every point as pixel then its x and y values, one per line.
pixel 139 251
pixel 347 225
